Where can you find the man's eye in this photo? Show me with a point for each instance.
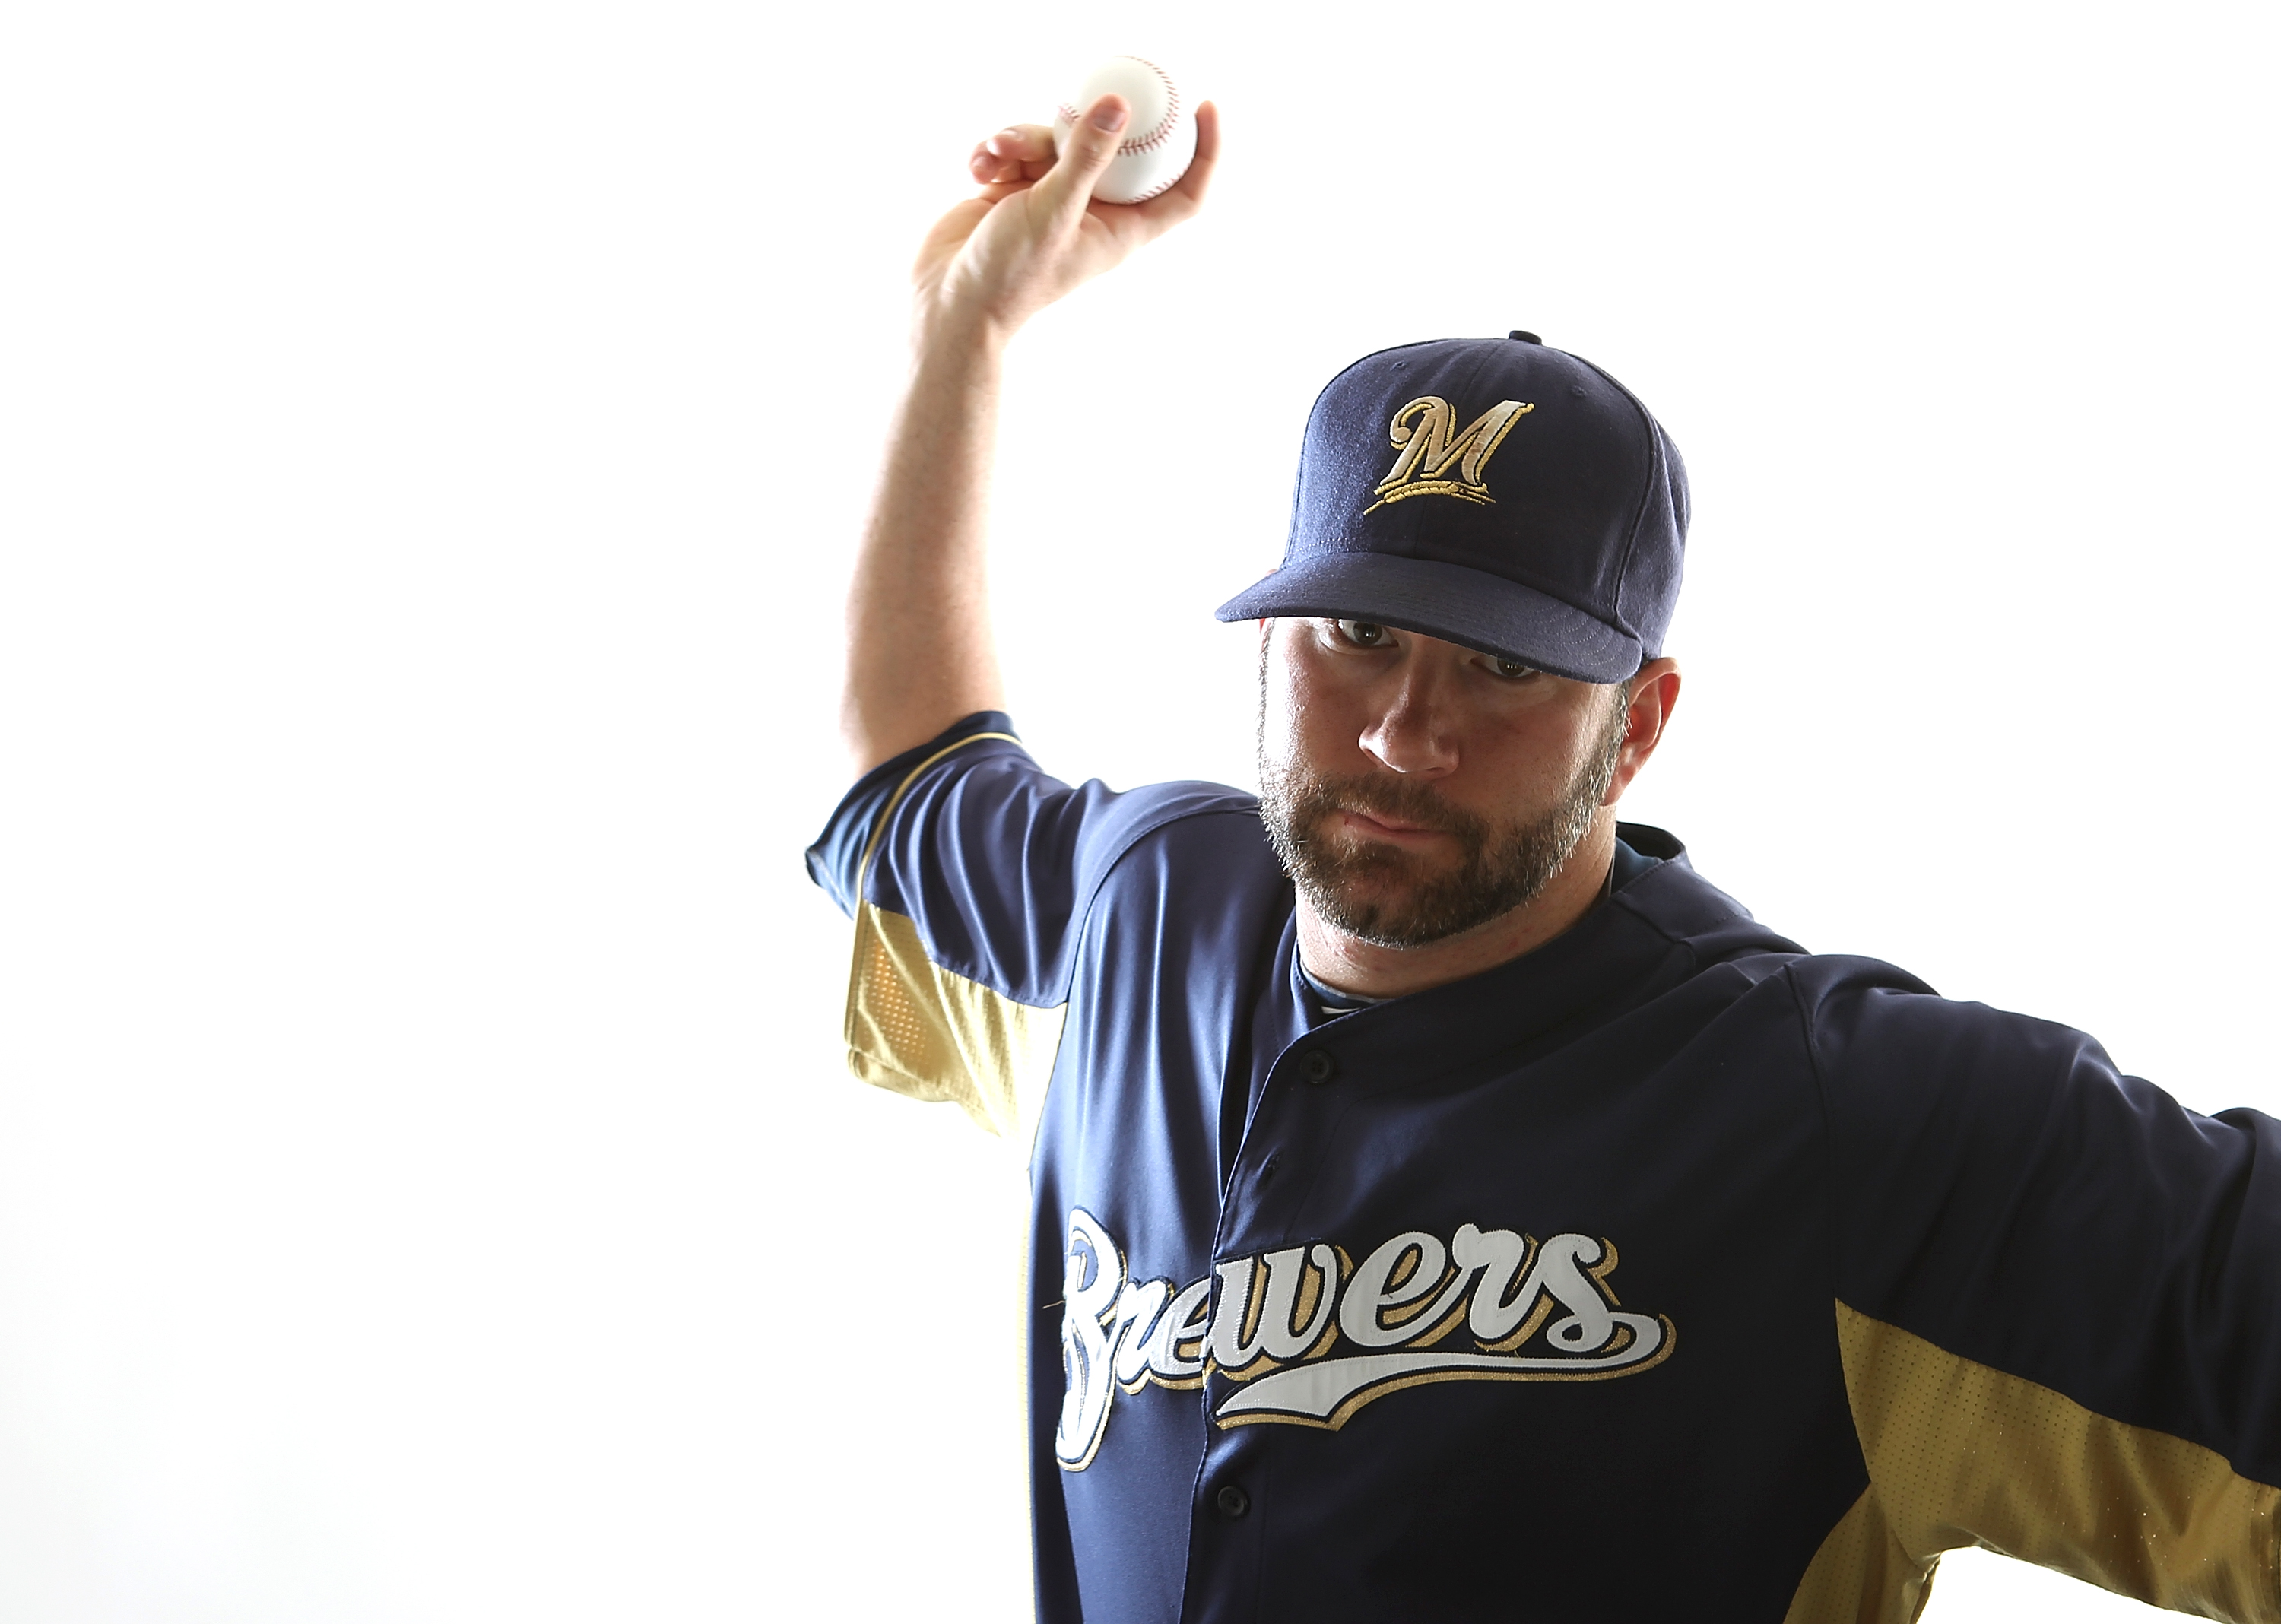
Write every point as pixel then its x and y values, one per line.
pixel 1513 667
pixel 1363 633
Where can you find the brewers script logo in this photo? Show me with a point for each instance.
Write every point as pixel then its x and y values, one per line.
pixel 1313 1336
pixel 1426 434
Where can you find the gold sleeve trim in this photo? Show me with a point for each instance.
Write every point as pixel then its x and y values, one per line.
pixel 1961 1454
pixel 880 824
pixel 1861 1575
pixel 920 1030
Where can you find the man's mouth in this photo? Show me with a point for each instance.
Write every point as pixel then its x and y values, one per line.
pixel 1388 829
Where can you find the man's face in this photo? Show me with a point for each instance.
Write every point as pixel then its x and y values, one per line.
pixel 1416 789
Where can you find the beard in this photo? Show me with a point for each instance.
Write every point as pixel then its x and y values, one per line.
pixel 1393 898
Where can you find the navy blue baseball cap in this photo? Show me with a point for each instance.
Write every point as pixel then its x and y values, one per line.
pixel 1494 493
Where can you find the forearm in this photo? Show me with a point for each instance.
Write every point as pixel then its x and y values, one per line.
pixel 920 650
pixel 920 653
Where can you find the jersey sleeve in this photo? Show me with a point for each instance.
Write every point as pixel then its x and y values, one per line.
pixel 2058 1305
pixel 967 871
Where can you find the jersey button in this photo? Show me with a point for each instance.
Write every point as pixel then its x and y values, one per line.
pixel 1319 1065
pixel 1232 1501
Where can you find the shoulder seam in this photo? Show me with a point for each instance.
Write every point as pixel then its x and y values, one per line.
pixel 1657 925
pixel 879 824
pixel 1832 1223
pixel 1081 914
pixel 1231 803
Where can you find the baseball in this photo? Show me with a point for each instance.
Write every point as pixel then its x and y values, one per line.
pixel 1160 141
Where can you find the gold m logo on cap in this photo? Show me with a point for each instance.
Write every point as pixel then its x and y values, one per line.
pixel 1426 433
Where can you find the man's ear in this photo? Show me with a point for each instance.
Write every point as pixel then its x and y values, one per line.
pixel 1655 694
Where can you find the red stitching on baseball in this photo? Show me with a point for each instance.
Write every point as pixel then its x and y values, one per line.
pixel 1157 191
pixel 1166 125
pixel 1163 133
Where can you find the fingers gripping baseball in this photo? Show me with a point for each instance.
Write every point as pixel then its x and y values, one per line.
pixel 1015 155
pixel 1068 185
pixel 1034 233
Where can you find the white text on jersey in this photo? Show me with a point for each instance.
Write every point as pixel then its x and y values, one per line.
pixel 1313 1336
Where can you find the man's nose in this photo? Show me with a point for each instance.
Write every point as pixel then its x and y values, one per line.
pixel 1407 737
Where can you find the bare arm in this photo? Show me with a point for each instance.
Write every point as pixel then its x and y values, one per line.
pixel 919 648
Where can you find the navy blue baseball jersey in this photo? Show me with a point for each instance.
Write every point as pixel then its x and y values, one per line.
pixel 1667 1271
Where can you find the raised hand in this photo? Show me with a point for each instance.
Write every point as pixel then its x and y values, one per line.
pixel 1034 233
pixel 919 649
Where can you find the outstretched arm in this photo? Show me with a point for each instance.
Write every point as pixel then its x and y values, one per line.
pixel 919 649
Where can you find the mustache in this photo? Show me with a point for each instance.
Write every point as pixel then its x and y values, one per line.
pixel 1393 800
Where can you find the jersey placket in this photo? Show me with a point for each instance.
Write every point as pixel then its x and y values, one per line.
pixel 1234 1506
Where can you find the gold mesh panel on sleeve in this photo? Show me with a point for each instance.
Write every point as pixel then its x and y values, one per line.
pixel 916 1028
pixel 1963 1454
pixel 922 1031
pixel 1861 1575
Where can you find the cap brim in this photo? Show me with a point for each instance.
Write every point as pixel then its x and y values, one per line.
pixel 1448 601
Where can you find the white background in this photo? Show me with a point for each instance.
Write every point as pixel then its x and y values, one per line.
pixel 431 437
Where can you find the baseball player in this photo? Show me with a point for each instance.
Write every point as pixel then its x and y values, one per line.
pixel 1449 1205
